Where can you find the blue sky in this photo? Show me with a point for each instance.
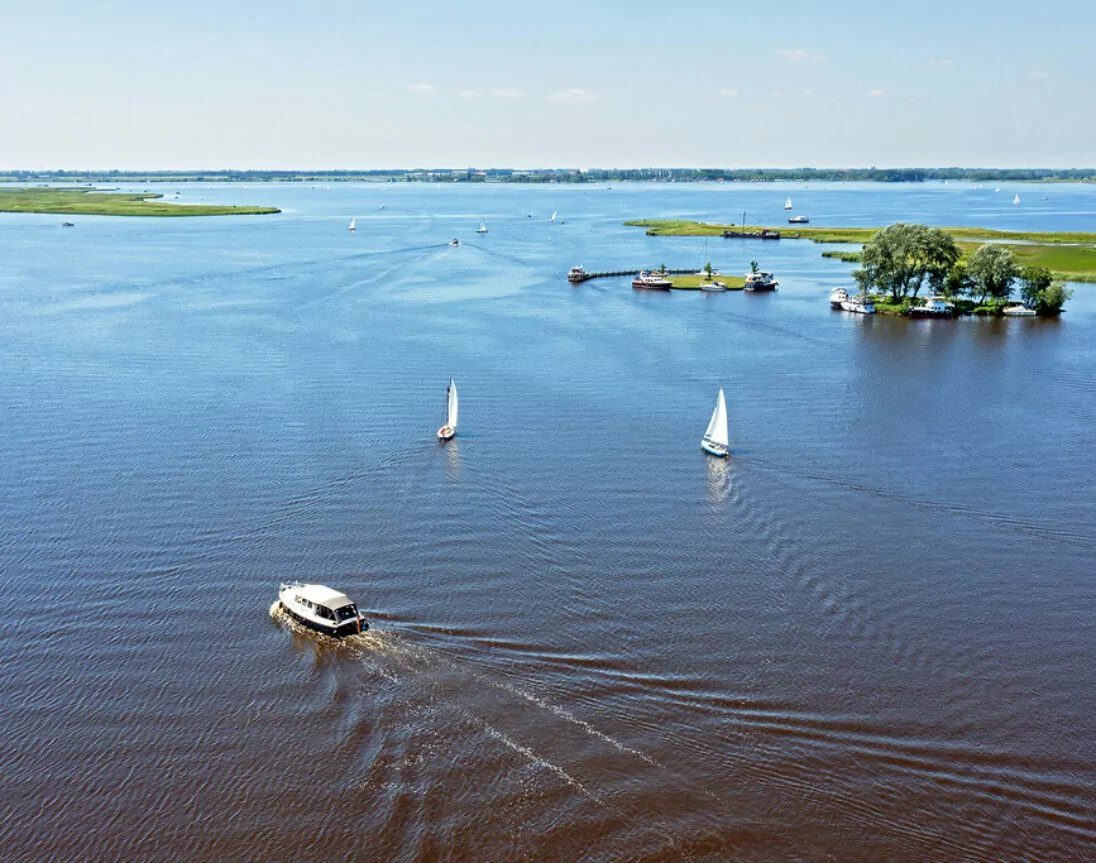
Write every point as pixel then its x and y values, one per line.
pixel 341 84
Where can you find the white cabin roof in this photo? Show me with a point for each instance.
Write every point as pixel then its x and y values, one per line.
pixel 321 595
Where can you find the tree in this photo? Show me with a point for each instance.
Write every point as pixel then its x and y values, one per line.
pixel 662 269
pixel 957 282
pixel 900 258
pixel 993 269
pixel 1033 283
pixel 1052 299
pixel 708 270
pixel 753 266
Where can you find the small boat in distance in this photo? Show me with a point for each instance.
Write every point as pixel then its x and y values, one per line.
pixel 577 274
pixel 933 307
pixel 859 305
pixel 799 220
pixel 321 608
pixel 1019 311
pixel 839 296
pixel 649 281
pixel 715 439
pixel 482 229
pixel 353 226
pixel 454 242
pixel 67 225
pixel 554 213
pixel 713 287
pixel 788 204
pixel 760 281
pixel 447 431
pixel 1016 200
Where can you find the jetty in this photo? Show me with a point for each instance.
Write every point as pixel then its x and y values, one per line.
pixel 576 275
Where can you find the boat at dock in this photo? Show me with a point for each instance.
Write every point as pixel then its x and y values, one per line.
pixel 761 281
pixel 321 608
pixel 859 305
pixel 839 296
pixel 713 287
pixel 649 281
pixel 751 235
pixel 799 220
pixel 1019 311
pixel 449 430
pixel 933 307
pixel 716 439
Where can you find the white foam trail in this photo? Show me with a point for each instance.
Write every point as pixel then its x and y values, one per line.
pixel 541 762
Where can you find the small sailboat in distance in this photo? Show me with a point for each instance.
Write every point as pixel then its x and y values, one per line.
pixel 482 229
pixel 553 216
pixel 716 440
pixel 1016 200
pixel 788 204
pixel 447 431
pixel 353 224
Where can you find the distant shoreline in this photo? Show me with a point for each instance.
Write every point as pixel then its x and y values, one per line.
pixel 103 202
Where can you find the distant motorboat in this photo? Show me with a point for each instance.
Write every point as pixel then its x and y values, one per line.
pixel 713 287
pixel 67 225
pixel 799 220
pixel 933 307
pixel 353 225
pixel 760 281
pixel 646 280
pixel 1019 311
pixel 1016 200
pixel 447 431
pixel 838 297
pixel 788 204
pixel 482 229
pixel 577 274
pixel 859 305
pixel 716 439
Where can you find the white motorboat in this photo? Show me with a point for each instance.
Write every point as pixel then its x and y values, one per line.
pixel 839 296
pixel 1019 311
pixel 649 281
pixel 353 225
pixel 799 220
pixel 933 307
pixel 716 439
pixel 760 281
pixel 859 305
pixel 577 274
pixel 713 287
pixel 321 608
pixel 447 431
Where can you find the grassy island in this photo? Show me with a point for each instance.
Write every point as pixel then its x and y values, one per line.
pixel 97 202
pixel 692 283
pixel 1069 255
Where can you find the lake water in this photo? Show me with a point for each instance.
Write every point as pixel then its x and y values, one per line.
pixel 867 636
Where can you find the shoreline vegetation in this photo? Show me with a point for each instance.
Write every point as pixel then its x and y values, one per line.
pixel 101 202
pixel 570 175
pixel 1068 255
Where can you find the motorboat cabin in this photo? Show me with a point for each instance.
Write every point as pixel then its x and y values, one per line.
pixel 839 296
pixel 650 281
pixel 322 609
pixel 933 307
pixel 577 274
pixel 758 281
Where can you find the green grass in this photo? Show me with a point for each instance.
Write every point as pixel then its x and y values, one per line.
pixel 692 283
pixel 96 202
pixel 1069 255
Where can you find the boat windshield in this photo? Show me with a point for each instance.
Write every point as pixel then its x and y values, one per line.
pixel 346 612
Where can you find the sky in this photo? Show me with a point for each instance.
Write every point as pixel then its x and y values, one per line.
pixel 366 85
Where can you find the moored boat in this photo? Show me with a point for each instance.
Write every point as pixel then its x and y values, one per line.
pixel 649 281
pixel 713 287
pixel 761 281
pixel 838 297
pixel 859 305
pixel 716 439
pixel 933 307
pixel 321 608
pixel 1019 310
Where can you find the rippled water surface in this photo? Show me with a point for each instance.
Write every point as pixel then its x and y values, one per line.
pixel 867 636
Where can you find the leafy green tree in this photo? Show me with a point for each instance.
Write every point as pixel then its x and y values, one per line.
pixel 957 282
pixel 993 269
pixel 753 266
pixel 708 270
pixel 1051 300
pixel 662 269
pixel 1033 283
pixel 901 258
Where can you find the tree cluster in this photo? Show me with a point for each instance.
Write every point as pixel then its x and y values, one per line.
pixel 901 259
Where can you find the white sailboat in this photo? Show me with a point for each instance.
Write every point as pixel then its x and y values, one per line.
pixel 788 204
pixel 448 430
pixel 482 229
pixel 553 216
pixel 353 225
pixel 716 440
pixel 1016 200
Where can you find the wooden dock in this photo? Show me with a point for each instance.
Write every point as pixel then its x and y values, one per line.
pixel 576 278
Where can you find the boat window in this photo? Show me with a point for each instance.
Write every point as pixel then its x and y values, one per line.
pixel 346 612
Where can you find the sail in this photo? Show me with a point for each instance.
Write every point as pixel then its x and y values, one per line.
pixel 717 425
pixel 788 204
pixel 352 224
pixel 451 405
pixel 553 216
pixel 1016 200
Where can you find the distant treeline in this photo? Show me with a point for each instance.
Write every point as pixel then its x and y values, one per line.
pixel 570 175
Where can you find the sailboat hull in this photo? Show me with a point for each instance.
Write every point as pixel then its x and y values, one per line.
pixel 713 448
pixel 446 433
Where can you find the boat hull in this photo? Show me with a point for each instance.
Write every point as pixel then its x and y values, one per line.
pixel 446 433
pixel 342 631
pixel 651 286
pixel 718 450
